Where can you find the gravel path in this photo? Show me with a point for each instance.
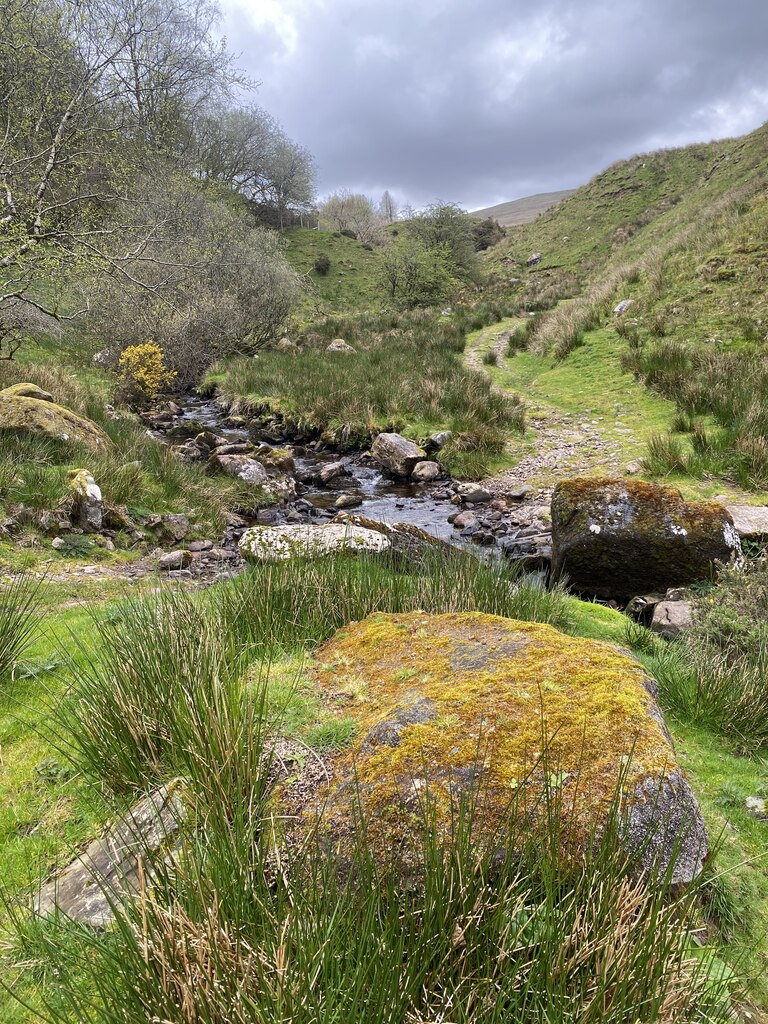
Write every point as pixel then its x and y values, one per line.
pixel 564 444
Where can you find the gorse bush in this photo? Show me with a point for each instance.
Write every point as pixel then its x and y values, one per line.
pixel 142 372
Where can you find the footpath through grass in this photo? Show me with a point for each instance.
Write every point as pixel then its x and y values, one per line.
pixel 588 387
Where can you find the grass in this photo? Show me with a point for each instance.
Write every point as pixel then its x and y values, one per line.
pixel 222 936
pixel 405 375
pixel 351 281
pixel 139 473
pixel 171 684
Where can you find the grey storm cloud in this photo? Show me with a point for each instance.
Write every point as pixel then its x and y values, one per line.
pixel 482 101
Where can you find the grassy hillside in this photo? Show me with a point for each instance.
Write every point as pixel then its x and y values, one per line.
pixel 350 282
pixel 682 234
pixel 522 211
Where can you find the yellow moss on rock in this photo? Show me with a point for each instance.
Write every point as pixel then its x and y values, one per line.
pixel 45 418
pixel 470 701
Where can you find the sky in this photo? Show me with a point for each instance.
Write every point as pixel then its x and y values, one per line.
pixel 483 101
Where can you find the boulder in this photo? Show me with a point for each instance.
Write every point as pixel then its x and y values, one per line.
pixel 397 454
pixel 622 306
pixel 87 506
pixel 174 525
pixel 243 467
pixel 276 458
pixel 533 259
pixel 114 865
pixel 46 419
pixel 426 472
pixel 405 540
pixel 751 521
pixel 280 543
pixel 619 537
pixel 28 391
pixel 173 560
pixel 671 618
pixel 348 501
pixel 473 492
pixel 280 488
pixel 463 704
pixel 339 345
pixel 332 471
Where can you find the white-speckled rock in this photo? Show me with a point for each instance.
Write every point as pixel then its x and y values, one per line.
pixel 279 543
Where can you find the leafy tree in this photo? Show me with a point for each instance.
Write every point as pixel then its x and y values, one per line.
pixel 352 212
pixel 413 273
pixel 446 224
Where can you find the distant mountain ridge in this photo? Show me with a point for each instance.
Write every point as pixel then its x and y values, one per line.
pixel 522 211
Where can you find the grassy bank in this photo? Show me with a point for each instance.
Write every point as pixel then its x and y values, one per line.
pixel 109 703
pixel 405 375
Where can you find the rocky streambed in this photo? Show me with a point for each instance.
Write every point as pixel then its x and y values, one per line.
pixel 314 482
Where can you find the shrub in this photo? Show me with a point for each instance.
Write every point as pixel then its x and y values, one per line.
pixel 322 264
pixel 491 357
pixel 143 373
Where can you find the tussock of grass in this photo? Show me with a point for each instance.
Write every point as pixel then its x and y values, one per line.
pixel 405 375
pixel 18 621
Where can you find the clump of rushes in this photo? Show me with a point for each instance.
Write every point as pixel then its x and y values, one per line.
pixel 405 375
pixel 18 621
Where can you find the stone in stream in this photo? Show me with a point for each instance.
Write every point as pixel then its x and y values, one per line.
pixel 331 471
pixel 618 537
pixel 87 501
pixel 281 543
pixel 405 540
pixel 461 706
pixel 426 472
pixel 397 454
pixel 473 493
pixel 348 501
pixel 111 867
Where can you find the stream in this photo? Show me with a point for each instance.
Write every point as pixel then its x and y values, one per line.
pixel 383 498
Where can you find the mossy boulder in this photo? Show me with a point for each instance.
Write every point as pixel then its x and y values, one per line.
pixel 466 705
pixel 44 418
pixel 28 391
pixel 618 537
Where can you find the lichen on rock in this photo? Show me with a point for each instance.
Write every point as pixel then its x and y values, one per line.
pixel 477 705
pixel 280 543
pixel 619 537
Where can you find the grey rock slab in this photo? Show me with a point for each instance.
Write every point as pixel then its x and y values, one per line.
pixel 671 618
pixel 750 520
pixel 110 866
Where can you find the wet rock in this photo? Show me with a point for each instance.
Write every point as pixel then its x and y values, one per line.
pixel 466 673
pixel 174 409
pixel 87 503
pixel 207 439
pixel 280 543
pixel 173 560
pixel 441 494
pixel 348 501
pixel 397 454
pixel 426 472
pixel 332 471
pixel 463 519
pixel 671 618
pixel 114 865
pixel 339 345
pixel 618 537
pixel 473 492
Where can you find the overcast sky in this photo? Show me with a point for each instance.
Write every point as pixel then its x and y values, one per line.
pixel 482 101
